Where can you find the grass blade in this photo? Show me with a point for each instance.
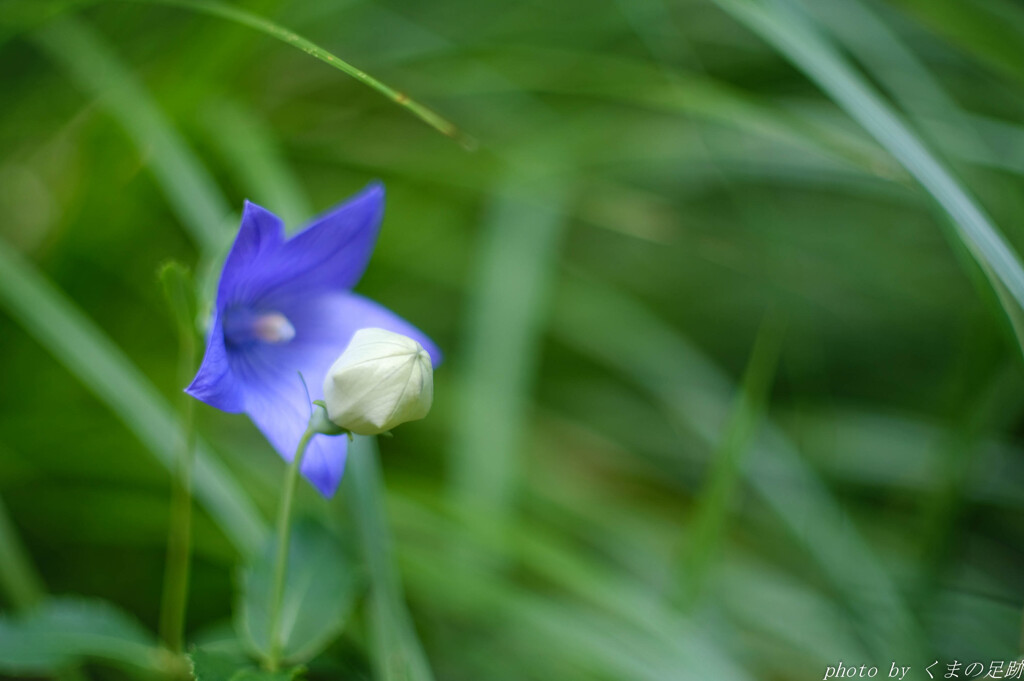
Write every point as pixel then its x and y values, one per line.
pixel 910 81
pixel 516 265
pixel 715 501
pixel 898 69
pixel 798 40
pixel 397 652
pixel 254 21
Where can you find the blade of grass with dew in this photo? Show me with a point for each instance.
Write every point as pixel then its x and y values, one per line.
pixel 516 263
pixel 75 341
pixel 190 189
pixel 659 360
pixel 397 653
pixel 638 83
pixel 798 40
pixel 254 21
pixel 715 499
pixel 252 152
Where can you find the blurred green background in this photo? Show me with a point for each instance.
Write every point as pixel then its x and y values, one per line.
pixel 729 391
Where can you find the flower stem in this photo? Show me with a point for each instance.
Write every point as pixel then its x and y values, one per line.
pixel 174 602
pixel 281 563
pixel 179 544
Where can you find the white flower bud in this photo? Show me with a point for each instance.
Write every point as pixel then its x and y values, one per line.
pixel 381 380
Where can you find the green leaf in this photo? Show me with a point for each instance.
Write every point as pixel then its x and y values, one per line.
pixel 319 592
pixel 64 631
pixel 227 662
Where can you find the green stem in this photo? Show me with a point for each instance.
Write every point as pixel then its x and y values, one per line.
pixel 179 543
pixel 281 563
pixel 174 602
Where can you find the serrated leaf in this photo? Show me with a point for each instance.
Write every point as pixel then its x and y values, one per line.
pixel 64 631
pixel 318 596
pixel 230 663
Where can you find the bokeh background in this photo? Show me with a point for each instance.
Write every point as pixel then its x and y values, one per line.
pixel 727 393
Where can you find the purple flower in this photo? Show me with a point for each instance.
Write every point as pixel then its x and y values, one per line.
pixel 284 307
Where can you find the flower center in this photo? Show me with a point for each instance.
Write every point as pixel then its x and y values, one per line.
pixel 243 327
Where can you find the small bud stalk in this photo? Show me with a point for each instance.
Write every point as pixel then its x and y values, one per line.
pixel 284 515
pixel 382 379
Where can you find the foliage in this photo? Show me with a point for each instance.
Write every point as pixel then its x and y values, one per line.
pixel 621 478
